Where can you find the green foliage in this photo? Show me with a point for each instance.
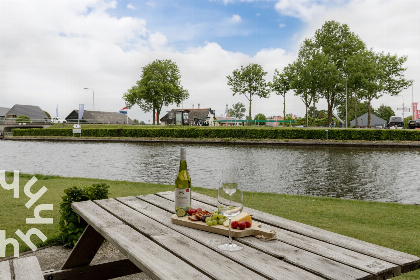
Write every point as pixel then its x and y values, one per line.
pixel 385 112
pixel 260 117
pixel 238 132
pixel 48 114
pixel 249 81
pixel 159 85
pixel 237 110
pixel 23 119
pixel 70 226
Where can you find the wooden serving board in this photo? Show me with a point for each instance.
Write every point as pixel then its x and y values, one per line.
pixel 254 230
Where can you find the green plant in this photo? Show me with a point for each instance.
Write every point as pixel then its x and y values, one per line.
pixel 70 226
pixel 23 119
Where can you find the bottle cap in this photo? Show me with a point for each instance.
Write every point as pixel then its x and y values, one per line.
pixel 183 154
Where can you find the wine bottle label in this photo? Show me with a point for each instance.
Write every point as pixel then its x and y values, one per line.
pixel 182 198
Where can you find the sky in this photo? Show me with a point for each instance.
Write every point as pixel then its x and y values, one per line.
pixel 51 50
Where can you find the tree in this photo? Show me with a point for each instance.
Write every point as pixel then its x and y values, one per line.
pixel 260 117
pixel 384 112
pixel 362 108
pixel 48 114
pixel 385 76
pixel 160 85
pixel 335 44
pixel 237 111
pixel 281 85
pixel 249 81
pixel 23 119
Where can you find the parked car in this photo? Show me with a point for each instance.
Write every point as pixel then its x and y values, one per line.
pixel 396 122
pixel 57 120
pixel 414 124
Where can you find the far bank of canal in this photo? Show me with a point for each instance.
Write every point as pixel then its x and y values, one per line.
pixel 346 170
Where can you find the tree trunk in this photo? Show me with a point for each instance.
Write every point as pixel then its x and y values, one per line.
pixel 369 113
pixel 314 113
pixel 153 116
pixel 355 108
pixel 250 102
pixel 284 108
pixel 157 116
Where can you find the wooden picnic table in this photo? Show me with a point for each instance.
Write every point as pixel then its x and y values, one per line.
pixel 141 228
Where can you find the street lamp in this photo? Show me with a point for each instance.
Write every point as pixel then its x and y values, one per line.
pixel 93 92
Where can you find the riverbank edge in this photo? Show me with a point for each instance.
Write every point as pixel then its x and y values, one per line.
pixel 229 141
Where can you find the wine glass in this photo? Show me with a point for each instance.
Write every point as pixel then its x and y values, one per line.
pixel 230 203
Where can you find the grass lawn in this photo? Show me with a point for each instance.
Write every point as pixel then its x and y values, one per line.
pixel 390 225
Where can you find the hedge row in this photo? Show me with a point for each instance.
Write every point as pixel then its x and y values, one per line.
pixel 233 132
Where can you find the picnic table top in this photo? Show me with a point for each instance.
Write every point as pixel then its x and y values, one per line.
pixel 141 228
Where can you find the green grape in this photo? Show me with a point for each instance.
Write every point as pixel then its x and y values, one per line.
pixel 221 221
pixel 215 215
pixel 208 219
pixel 220 216
pixel 214 222
pixel 210 223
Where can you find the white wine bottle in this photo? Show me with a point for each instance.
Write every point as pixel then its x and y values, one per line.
pixel 182 187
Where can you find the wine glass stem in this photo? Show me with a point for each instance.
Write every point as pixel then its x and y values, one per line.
pixel 230 231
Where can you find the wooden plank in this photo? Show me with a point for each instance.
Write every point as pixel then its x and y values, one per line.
pixel 94 215
pixel 337 254
pixel 108 270
pixel 150 257
pixel 254 230
pixel 143 252
pixel 360 261
pixel 183 247
pixel 5 273
pixel 270 264
pixel 27 269
pixel 390 255
pixel 85 249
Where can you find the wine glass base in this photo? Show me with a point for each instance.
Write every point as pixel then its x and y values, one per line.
pixel 230 247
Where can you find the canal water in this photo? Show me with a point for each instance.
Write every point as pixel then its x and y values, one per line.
pixel 379 174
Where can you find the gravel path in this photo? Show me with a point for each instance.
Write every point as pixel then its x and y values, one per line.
pixel 52 258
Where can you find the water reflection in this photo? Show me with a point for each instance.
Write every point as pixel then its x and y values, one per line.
pixel 357 173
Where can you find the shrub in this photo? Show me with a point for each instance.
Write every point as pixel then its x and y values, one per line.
pixel 71 228
pixel 23 119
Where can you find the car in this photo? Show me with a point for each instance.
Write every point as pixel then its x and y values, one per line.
pixel 396 122
pixel 57 120
pixel 414 124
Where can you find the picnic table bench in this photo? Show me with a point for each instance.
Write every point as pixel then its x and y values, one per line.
pixel 141 228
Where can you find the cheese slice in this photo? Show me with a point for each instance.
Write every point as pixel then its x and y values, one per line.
pixel 243 216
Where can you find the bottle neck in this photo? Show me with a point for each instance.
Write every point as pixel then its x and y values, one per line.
pixel 182 165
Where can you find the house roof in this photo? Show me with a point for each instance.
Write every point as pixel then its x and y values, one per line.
pixel 3 111
pixel 363 120
pixel 31 111
pixel 193 113
pixel 101 117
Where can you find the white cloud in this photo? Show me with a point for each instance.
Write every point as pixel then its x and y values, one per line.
pixel 49 57
pixel 236 19
pixel 305 10
pixel 131 7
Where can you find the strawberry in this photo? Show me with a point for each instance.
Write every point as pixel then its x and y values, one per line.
pixel 248 224
pixel 198 209
pixel 242 225
pixel 234 224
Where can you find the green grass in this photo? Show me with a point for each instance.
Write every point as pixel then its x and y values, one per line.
pixel 391 225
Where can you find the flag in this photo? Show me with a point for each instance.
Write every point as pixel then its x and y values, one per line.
pixel 123 112
pixel 56 111
pixel 81 110
pixel 125 108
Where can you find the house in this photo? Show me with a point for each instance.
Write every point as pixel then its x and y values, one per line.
pixel 362 121
pixel 33 112
pixel 99 117
pixel 204 116
pixel 3 112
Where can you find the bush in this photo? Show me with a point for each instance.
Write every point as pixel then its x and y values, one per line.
pixel 235 132
pixel 71 228
pixel 23 119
